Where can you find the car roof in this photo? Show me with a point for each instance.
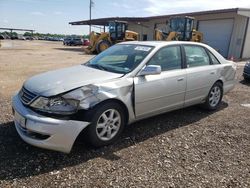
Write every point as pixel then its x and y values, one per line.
pixel 162 43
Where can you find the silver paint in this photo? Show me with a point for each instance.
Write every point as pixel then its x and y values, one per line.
pixel 142 95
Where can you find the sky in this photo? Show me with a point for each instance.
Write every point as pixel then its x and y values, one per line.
pixel 53 16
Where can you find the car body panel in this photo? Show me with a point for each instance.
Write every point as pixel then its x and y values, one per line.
pixel 62 80
pixel 199 82
pixel 246 71
pixel 62 133
pixel 117 89
pixel 153 93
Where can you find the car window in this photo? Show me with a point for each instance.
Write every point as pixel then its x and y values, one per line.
pixel 196 56
pixel 121 58
pixel 168 58
pixel 213 58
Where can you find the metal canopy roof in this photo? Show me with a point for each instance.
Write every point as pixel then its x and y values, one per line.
pixel 14 29
pixel 104 21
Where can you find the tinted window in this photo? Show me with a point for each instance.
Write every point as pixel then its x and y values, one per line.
pixel 168 58
pixel 196 56
pixel 213 59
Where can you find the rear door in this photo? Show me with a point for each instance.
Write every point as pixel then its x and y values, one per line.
pixel 163 92
pixel 201 75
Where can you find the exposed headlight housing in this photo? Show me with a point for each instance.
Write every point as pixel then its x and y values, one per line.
pixel 65 104
pixel 56 105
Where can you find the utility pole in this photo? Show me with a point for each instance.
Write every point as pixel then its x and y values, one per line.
pixel 91 3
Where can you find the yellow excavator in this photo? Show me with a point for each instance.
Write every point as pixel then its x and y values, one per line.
pixel 180 28
pixel 117 33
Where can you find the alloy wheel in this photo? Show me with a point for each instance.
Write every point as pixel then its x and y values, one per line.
pixel 214 96
pixel 108 124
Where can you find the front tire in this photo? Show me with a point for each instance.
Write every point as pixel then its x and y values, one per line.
pixel 108 121
pixel 214 97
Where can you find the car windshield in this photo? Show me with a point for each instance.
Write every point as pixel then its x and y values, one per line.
pixel 122 58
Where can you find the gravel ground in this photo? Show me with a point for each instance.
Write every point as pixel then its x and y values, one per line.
pixel 184 148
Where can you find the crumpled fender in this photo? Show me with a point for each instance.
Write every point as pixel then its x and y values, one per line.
pixel 91 95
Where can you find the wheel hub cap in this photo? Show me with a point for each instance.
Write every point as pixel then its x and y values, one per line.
pixel 108 124
pixel 214 96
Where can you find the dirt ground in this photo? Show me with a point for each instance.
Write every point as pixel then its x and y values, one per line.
pixel 185 148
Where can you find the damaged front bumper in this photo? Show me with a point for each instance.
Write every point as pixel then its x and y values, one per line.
pixel 45 132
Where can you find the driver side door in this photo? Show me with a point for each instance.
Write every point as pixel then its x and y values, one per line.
pixel 163 92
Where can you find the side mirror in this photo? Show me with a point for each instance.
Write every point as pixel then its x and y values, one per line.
pixel 150 70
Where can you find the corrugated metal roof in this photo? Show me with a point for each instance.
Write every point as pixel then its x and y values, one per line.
pixel 104 21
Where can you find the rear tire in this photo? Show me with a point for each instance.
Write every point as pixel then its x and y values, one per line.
pixel 108 120
pixel 214 97
pixel 102 45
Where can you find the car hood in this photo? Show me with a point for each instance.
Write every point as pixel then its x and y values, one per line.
pixel 59 81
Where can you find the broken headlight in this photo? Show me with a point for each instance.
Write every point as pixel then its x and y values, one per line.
pixel 56 105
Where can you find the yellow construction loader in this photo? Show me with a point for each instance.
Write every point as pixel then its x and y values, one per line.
pixel 180 28
pixel 117 33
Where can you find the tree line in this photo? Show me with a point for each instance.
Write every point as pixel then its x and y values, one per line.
pixel 42 35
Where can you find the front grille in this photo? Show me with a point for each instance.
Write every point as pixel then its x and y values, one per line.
pixel 26 96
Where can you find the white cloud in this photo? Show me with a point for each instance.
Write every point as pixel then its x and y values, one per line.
pixel 37 13
pixel 173 6
pixel 57 12
pixel 5 21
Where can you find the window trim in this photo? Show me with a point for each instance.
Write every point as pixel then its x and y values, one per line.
pixel 172 45
pixel 211 62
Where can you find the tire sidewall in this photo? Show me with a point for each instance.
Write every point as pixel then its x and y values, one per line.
pixel 207 104
pixel 93 139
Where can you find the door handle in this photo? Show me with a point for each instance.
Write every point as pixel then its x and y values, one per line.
pixel 180 79
pixel 213 72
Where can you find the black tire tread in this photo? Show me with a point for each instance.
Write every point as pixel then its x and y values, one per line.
pixel 206 105
pixel 91 136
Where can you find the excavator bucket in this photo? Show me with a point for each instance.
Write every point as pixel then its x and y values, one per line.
pixel 92 46
pixel 88 50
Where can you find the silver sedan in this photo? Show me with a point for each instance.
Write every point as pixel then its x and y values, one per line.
pixel 127 82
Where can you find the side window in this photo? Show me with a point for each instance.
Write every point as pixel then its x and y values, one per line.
pixel 196 56
pixel 213 58
pixel 168 58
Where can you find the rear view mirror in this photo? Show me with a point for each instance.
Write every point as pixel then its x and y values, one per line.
pixel 150 70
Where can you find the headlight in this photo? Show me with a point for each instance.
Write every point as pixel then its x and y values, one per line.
pixel 66 104
pixel 57 105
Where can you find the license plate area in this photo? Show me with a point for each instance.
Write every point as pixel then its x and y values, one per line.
pixel 19 119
